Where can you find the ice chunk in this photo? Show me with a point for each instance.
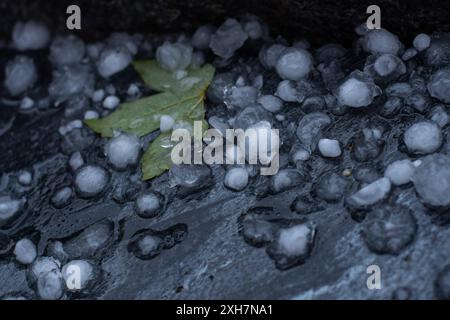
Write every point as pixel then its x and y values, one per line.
pixel 370 194
pixel 123 150
pixel 292 245
pixel 98 95
pixel 421 42
pixel 90 241
pixel 257 232
pixel 240 96
pixel 9 209
pixel 25 177
pixel 409 54
pixel 111 102
pixel 66 50
pixel 250 116
pixel 202 36
pixel 124 39
pixel 81 268
pixel 62 197
pixel 254 29
pixel 286 179
pixel 91 180
pixel 20 75
pixel 391 107
pixel 310 127
pixel 330 52
pixel 50 285
pixel 166 123
pixel 76 160
pixel 439 85
pixel 357 91
pixel 191 177
pixel 174 56
pixel 287 91
pixel 400 172
pixel 418 101
pixel 270 103
pixel 228 38
pixel 294 64
pixel 112 60
pixel 399 89
pixel 236 179
pixel 30 35
pixel 26 103
pixel 423 137
pixel 331 187
pixel 269 55
pixel 25 251
pixel 91 114
pixel 388 230
pixel 329 148
pixel 388 64
pixel 221 83
pixel 148 205
pixel 69 81
pixel 432 180
pixel 439 115
pixel 41 266
pixel 381 41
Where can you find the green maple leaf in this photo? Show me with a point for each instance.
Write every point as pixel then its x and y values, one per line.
pixel 181 96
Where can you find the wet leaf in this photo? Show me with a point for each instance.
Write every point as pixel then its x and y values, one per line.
pixel 181 96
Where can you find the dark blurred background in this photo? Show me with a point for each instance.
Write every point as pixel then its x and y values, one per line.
pixel 321 21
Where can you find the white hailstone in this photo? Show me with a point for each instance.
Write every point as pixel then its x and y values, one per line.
pixel 66 50
pixel 25 178
pixel 329 148
pixel 26 103
pixel 91 180
pixel 50 285
pixel 25 251
pixel 166 123
pixel 133 90
pixel 123 150
pixel 439 85
pixel 236 179
pixel 423 137
pixel 300 155
pixel 201 37
pixel 111 102
pixel 20 75
pixel 80 268
pixel 76 160
pixel 148 204
pixel 280 117
pixel 381 41
pixel 93 50
pixel 421 42
pixel 174 56
pixel 286 91
pixel 295 241
pixel 98 95
pixel 30 35
pixel 113 60
pixel 386 64
pixel 400 172
pixel 409 54
pixel 148 244
pixel 294 64
pixel 372 193
pixel 91 114
pixel 75 124
pixel 9 208
pixel 270 103
pixel 254 29
pixel 41 266
pixel 62 197
pixel 357 91
pixel 228 38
